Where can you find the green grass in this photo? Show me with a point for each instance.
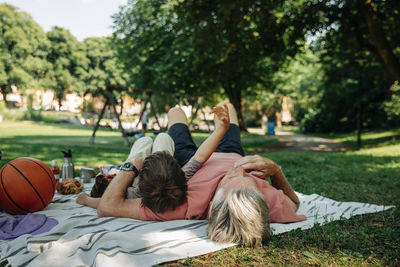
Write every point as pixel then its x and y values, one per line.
pixel 371 175
pixel 369 139
pixel 45 141
pixel 368 175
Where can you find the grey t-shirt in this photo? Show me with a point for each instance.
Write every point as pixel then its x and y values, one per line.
pixel 189 170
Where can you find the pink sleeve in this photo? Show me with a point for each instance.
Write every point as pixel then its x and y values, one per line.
pixel 280 208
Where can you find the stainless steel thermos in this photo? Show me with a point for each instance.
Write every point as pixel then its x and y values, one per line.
pixel 68 166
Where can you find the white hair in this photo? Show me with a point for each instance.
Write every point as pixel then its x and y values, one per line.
pixel 242 217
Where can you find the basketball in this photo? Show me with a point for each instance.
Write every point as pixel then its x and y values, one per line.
pixel 26 185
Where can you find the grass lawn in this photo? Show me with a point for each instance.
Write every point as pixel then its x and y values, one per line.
pixel 369 175
pixel 368 139
pixel 46 141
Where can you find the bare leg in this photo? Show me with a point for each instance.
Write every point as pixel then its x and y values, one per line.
pixel 176 115
pixel 86 200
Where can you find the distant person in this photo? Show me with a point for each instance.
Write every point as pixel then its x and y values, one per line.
pixel 144 122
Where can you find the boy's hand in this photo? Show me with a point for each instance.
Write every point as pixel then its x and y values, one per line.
pixel 222 114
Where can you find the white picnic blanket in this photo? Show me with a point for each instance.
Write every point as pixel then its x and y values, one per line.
pixel 83 239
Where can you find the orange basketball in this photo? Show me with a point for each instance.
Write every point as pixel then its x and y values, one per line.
pixel 26 185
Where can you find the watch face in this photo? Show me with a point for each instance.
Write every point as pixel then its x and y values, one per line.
pixel 127 166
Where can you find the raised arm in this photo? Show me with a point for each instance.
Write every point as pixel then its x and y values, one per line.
pixel 113 202
pixel 205 150
pixel 263 167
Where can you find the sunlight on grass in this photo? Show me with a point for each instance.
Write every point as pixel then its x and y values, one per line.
pixel 370 175
pixel 368 139
pixel 393 150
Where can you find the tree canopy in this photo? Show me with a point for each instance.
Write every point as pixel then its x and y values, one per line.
pixel 337 59
pixel 359 65
pixel 23 50
pixel 105 75
pixel 68 62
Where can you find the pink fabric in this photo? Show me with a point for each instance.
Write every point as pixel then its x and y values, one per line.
pixel 201 190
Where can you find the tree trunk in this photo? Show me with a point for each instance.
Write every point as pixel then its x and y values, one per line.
pixel 91 141
pixel 194 113
pixel 141 112
pixel 235 97
pixel 59 103
pixel 359 124
pixel 385 53
pixel 4 96
pixel 124 136
pixel 155 115
pixel 205 119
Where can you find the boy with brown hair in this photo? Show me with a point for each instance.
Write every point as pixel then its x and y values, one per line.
pixel 161 181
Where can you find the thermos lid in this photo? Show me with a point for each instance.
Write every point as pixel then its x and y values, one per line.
pixel 67 154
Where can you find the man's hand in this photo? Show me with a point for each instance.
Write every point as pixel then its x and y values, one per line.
pixel 222 113
pixel 262 167
pixel 258 166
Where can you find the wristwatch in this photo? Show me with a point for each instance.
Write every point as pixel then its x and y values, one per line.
pixel 127 166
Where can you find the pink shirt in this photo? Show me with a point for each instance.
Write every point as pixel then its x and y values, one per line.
pixel 201 190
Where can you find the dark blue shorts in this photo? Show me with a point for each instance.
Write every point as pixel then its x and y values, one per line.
pixel 185 146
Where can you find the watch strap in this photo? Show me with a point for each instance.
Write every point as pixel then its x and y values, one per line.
pixel 135 170
pixel 128 166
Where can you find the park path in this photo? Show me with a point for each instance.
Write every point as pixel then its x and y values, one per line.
pixel 302 142
pixel 291 142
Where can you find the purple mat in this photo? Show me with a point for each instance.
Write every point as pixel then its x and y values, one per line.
pixel 12 227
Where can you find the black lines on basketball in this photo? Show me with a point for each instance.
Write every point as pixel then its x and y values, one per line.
pixel 25 186
pixel 5 190
pixel 48 174
pixel 30 184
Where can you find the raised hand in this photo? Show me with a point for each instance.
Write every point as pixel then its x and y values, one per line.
pixel 222 113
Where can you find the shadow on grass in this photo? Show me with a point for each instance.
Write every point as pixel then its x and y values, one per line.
pixel 374 142
pixel 89 156
pixel 346 177
pixel 370 238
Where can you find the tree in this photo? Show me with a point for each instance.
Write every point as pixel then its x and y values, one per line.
pixel 242 43
pixel 68 63
pixel 105 76
pixel 157 57
pixel 23 50
pixel 371 24
pixel 358 55
pixel 300 78
pixel 380 39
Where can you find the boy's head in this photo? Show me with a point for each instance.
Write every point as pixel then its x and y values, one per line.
pixel 162 184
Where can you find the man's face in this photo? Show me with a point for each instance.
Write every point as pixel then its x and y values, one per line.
pixel 236 178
